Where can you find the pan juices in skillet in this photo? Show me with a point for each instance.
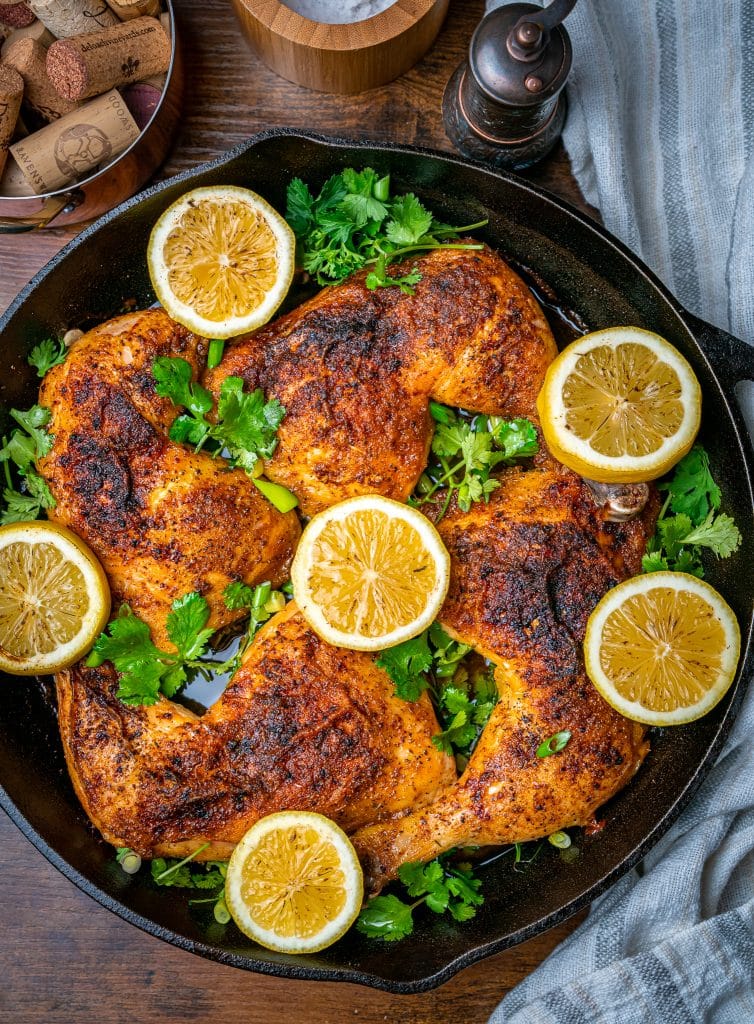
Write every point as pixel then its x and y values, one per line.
pixel 302 724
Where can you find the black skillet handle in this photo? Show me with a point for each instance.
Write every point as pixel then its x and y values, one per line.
pixel 731 358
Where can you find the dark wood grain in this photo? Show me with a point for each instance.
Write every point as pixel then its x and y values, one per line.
pixel 65 958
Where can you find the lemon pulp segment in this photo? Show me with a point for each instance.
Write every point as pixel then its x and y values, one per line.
pixel 620 405
pixel 221 259
pixel 623 400
pixel 371 573
pixel 292 883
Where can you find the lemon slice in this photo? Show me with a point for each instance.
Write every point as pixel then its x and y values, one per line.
pixel 369 573
pixel 294 882
pixel 662 648
pixel 54 598
pixel 221 260
pixel 620 405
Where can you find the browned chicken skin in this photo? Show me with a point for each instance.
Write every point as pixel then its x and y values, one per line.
pixel 355 370
pixel 527 570
pixel 302 725
pixel 163 520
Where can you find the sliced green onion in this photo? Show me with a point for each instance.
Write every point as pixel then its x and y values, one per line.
pixel 381 189
pixel 174 867
pixel 215 353
pixel 276 602
pixel 222 915
pixel 553 744
pixel 276 494
pixel 561 840
pixel 570 855
pixel 129 861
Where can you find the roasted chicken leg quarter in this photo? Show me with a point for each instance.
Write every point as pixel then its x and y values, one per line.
pixel 163 520
pixel 527 570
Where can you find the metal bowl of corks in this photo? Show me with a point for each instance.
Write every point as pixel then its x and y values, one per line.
pixel 89 100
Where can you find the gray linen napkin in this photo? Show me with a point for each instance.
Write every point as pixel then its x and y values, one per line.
pixel 661 138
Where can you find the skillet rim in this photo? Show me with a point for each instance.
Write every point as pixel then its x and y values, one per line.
pixel 692 325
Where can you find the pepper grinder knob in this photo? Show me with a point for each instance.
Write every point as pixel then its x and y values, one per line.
pixel 504 105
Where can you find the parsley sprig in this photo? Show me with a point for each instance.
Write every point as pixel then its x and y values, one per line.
pixel 695 525
pixel 28 442
pixel 354 222
pixel 442 885
pixel 245 430
pixel 145 671
pixel 465 451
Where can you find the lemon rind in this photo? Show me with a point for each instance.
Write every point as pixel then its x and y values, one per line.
pixel 182 312
pixel 349 863
pixel 682 582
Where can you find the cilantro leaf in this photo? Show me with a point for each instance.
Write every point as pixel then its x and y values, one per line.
pixel 186 623
pixel 692 489
pixel 387 918
pixel 247 425
pixel 46 354
pixel 441 885
pixel 354 223
pixel 28 442
pixel 172 377
pixel 19 508
pixel 406 664
pixel 464 453
pixel 680 539
pixel 409 221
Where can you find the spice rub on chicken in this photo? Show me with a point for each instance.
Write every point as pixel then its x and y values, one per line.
pixel 527 569
pixel 302 725
pixel 164 520
pixel 355 370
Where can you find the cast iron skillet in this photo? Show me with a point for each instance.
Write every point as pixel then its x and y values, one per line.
pixel 592 274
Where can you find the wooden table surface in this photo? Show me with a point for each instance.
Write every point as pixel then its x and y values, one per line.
pixel 65 958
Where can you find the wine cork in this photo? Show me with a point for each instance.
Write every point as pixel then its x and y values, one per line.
pixel 66 18
pixel 90 64
pixel 28 58
pixel 13 183
pixel 17 15
pixel 77 143
pixel 142 100
pixel 129 9
pixel 11 94
pixel 36 31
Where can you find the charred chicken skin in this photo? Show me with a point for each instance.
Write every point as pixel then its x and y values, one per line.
pixel 163 520
pixel 355 370
pixel 526 571
pixel 302 724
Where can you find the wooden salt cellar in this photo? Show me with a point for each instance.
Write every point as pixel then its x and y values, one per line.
pixel 341 58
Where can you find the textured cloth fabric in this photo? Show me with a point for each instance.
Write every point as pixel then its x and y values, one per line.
pixel 660 134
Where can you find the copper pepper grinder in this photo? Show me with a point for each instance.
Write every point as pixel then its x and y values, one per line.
pixel 504 104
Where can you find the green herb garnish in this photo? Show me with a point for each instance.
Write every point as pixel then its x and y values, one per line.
pixel 463 701
pixel 215 353
pixel 209 875
pixel 28 442
pixel 46 354
pixel 441 886
pixel 145 671
pixel 693 497
pixel 246 427
pixel 355 223
pixel 465 451
pixel 554 744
